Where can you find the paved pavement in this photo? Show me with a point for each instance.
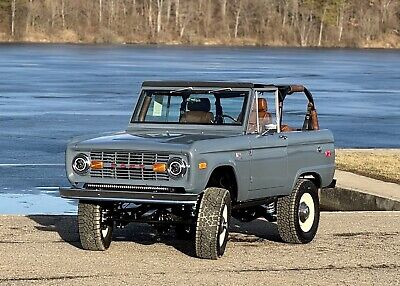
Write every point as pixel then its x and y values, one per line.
pixel 352 248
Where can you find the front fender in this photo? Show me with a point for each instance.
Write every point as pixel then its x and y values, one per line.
pixel 201 177
pixel 240 167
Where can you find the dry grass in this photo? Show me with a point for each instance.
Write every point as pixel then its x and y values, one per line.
pixel 381 164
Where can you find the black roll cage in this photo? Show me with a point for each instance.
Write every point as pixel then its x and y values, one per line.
pixel 311 119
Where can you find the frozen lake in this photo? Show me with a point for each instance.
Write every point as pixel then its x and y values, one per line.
pixel 50 93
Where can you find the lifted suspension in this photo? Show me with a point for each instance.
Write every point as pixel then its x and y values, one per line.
pixel 155 215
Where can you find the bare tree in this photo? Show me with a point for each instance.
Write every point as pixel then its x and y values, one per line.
pixel 168 10
pixel 305 22
pixel 176 13
pixel 237 17
pixel 283 22
pixel 151 15
pixel 13 9
pixel 63 13
pixel 100 11
pixel 340 18
pixel 159 14
pixel 321 26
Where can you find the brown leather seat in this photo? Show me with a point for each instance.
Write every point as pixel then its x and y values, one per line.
pixel 264 117
pixel 198 111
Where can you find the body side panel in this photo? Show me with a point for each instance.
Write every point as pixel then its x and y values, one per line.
pixel 268 165
pixel 307 154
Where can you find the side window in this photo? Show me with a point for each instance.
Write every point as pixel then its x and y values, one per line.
pixel 232 108
pixel 293 112
pixel 262 115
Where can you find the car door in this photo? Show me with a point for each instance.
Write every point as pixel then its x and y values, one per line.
pixel 268 165
pixel 268 148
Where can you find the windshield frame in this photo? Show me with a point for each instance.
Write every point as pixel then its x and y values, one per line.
pixel 177 125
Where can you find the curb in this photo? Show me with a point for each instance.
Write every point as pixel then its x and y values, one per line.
pixel 339 199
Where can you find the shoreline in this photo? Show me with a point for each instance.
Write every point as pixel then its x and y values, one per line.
pixel 199 45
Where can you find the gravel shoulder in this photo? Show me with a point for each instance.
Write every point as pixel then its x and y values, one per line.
pixel 351 248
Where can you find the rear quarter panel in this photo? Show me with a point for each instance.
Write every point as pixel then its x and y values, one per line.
pixel 310 152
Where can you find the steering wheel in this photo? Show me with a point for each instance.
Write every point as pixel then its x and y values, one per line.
pixel 230 117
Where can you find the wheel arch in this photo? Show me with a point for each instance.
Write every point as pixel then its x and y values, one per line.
pixel 224 176
pixel 312 176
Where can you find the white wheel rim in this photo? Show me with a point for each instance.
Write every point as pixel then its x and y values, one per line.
pixel 224 226
pixel 307 200
pixel 104 231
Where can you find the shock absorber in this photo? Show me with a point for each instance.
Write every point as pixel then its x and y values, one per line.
pixel 270 212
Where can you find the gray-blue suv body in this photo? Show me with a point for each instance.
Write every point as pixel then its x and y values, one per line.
pixel 196 153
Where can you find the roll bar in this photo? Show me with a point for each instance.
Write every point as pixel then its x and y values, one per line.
pixel 285 90
pixel 311 120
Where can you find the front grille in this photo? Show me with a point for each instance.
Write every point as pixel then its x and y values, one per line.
pixel 128 165
pixel 114 187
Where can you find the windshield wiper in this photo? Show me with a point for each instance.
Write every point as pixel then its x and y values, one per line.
pixel 181 90
pixel 220 90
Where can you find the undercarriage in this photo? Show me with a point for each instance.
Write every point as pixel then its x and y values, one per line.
pixel 162 217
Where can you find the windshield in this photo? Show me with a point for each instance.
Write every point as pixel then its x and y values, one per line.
pixel 187 106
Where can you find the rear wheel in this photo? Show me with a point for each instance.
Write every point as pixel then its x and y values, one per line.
pixel 298 214
pixel 212 226
pixel 95 229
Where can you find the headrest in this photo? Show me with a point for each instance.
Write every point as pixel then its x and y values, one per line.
pixel 262 104
pixel 199 104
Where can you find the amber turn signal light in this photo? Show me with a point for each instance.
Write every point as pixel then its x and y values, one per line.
pixel 96 165
pixel 159 167
pixel 202 165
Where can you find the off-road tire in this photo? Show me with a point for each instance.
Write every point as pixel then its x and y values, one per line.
pixel 91 228
pixel 212 225
pixel 291 228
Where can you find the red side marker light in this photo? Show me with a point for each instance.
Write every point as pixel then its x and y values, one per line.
pixel 328 153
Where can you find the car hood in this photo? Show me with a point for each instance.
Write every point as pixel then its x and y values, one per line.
pixel 140 141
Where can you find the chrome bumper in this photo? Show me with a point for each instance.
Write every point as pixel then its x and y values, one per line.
pixel 128 196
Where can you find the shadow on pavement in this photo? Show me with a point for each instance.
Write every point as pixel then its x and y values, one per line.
pixel 67 228
pixel 257 230
pixel 65 225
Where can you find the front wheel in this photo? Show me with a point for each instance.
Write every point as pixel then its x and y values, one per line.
pixel 298 214
pixel 212 224
pixel 95 229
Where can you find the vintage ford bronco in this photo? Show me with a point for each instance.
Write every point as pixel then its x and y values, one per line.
pixel 195 154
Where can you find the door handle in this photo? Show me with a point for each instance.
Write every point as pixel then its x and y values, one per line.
pixel 283 137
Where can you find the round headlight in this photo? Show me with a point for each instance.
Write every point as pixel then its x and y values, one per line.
pixel 176 167
pixel 81 164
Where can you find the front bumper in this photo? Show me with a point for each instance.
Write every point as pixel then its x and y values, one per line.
pixel 128 196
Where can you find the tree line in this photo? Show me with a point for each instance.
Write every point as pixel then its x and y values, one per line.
pixel 344 23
